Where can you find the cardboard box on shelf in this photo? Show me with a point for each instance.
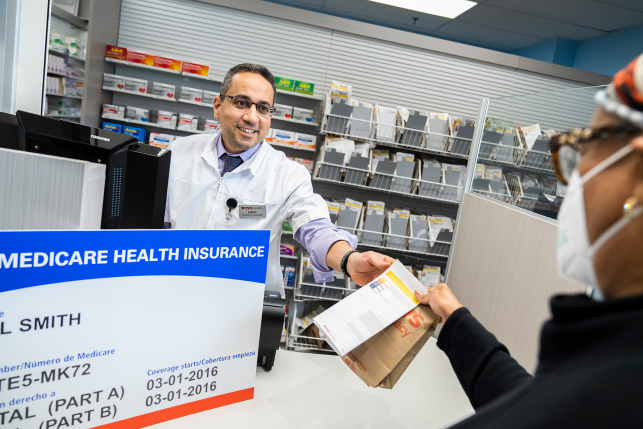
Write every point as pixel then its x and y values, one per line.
pixel 285 84
pixel 307 141
pixel 191 95
pixel 138 56
pixel 287 249
pixel 289 276
pixel 188 122
pixel 115 54
pixel 284 137
pixel 270 137
pixel 301 114
pixel 136 85
pixel 167 119
pixel 113 111
pixel 282 111
pixel 161 140
pixel 137 114
pixel 139 133
pixel 112 81
pixel 195 68
pixel 304 87
pixel 164 91
pixel 112 127
pixel 168 62
pixel 212 126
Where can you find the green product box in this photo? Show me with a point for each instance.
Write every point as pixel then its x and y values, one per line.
pixel 286 227
pixel 304 87
pixel 285 84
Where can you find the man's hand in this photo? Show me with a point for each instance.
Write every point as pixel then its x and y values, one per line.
pixel 440 299
pixel 367 266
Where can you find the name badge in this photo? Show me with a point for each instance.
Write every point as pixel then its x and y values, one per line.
pixel 257 211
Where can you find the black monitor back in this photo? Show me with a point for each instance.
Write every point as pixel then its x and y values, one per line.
pixel 136 175
pixel 9 131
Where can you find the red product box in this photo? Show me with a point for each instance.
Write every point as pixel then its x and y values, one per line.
pixel 115 53
pixel 165 62
pixel 140 57
pixel 195 69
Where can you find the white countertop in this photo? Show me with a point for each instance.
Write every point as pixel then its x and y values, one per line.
pixel 313 391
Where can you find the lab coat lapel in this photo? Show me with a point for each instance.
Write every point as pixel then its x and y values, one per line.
pixel 209 154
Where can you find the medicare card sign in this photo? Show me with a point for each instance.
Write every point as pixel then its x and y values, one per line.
pixel 126 329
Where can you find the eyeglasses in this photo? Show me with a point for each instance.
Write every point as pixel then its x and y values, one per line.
pixel 242 103
pixel 564 146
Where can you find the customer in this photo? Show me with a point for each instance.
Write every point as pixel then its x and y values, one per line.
pixel 590 370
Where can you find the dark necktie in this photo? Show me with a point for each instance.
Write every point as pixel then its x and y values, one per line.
pixel 230 162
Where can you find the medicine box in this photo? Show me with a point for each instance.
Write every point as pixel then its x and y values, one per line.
pixel 113 111
pixel 282 111
pixel 139 133
pixel 188 122
pixel 307 141
pixel 284 137
pixel 112 127
pixel 161 140
pixel 137 114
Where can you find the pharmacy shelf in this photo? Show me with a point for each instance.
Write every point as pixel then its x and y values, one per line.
pixel 419 149
pixel 63 75
pixel 514 167
pixel 65 55
pixel 291 147
pixel 387 191
pixel 411 252
pixel 288 257
pixel 63 116
pixel 189 76
pixel 153 124
pixel 195 103
pixel 63 96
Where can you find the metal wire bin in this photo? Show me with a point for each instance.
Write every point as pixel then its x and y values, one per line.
pixel 423 189
pixel 299 342
pixel 306 288
pixel 499 153
pixel 538 160
pixel 432 247
pixel 395 136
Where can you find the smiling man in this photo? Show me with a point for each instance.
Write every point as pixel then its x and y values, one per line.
pixel 235 180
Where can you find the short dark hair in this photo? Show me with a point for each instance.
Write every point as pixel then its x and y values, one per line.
pixel 249 68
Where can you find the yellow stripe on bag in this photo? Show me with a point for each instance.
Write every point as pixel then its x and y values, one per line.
pixel 401 286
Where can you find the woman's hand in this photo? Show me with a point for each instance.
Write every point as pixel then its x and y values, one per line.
pixel 440 299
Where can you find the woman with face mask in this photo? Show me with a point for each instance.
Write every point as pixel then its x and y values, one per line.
pixel 590 369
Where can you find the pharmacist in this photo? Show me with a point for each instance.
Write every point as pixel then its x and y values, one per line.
pixel 235 180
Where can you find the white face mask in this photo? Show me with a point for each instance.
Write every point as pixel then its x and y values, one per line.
pixel 574 252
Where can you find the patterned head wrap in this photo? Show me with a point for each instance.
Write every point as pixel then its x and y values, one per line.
pixel 624 96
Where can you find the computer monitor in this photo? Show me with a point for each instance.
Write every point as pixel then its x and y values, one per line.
pixel 9 131
pixel 136 174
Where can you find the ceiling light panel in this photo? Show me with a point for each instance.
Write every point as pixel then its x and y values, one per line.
pixel 445 8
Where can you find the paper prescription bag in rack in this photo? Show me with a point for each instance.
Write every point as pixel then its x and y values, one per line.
pixel 382 359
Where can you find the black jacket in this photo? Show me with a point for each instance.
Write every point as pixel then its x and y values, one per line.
pixel 589 375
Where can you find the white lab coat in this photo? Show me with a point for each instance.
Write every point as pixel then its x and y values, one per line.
pixel 197 194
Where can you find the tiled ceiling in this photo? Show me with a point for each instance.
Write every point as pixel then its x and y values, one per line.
pixel 503 25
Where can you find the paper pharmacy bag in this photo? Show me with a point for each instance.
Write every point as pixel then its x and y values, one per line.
pixel 381 360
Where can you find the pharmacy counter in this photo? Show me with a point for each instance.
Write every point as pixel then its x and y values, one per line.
pixel 318 391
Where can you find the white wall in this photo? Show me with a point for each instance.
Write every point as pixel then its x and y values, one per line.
pixel 32 58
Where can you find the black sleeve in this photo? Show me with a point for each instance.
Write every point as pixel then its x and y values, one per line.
pixel 483 365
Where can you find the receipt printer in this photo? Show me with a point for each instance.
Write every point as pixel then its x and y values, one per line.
pixel 272 325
